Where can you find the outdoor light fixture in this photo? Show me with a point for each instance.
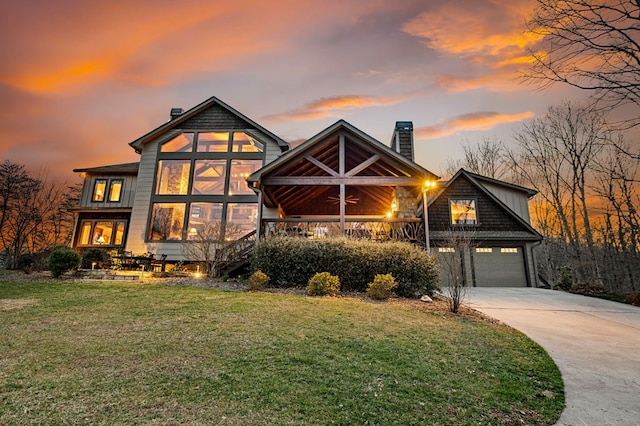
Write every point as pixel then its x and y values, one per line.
pixel 429 184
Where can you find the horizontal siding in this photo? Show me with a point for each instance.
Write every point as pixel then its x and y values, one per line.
pixel 138 224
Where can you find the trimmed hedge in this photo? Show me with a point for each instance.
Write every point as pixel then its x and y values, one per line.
pixel 291 262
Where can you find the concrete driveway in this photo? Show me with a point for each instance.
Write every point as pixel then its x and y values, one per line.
pixel 595 343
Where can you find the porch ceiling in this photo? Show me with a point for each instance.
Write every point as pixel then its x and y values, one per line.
pixel 309 183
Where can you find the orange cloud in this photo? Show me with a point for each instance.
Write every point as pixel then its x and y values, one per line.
pixel 327 107
pixel 477 28
pixel 469 122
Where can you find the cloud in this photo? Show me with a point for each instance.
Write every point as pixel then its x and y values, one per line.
pixel 469 122
pixel 327 107
pixel 475 28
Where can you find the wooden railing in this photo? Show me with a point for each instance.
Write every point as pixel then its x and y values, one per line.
pixel 406 229
pixel 234 253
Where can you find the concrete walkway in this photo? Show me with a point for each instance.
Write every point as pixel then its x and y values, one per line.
pixel 595 343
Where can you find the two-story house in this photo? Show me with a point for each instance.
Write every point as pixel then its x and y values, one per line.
pixel 213 165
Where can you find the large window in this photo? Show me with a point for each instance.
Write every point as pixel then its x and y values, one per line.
pixel 173 177
pixel 102 233
pixel 167 221
pixel 209 177
pixel 463 212
pixel 241 219
pixel 240 171
pixel 205 221
pixel 201 186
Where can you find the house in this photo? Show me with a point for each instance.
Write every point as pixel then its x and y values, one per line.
pixel 211 166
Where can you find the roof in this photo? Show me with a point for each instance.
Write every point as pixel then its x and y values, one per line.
pixel 126 168
pixel 475 181
pixel 530 192
pixel 138 143
pixel 319 137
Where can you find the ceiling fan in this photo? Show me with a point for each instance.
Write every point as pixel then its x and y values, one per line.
pixel 349 199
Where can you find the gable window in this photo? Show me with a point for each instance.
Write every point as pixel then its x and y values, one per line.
pixel 213 142
pixel 115 190
pixel 99 190
pixel 200 185
pixel 181 143
pixel 463 212
pixel 242 142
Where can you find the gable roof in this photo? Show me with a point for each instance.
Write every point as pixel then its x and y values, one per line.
pixel 175 122
pixel 321 137
pixel 126 168
pixel 475 180
pixel 530 192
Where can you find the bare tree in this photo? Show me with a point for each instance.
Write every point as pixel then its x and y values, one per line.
pixel 556 155
pixel 485 158
pixel 452 258
pixel 207 245
pixel 34 212
pixel 592 45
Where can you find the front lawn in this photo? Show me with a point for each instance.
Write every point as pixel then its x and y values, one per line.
pixel 95 353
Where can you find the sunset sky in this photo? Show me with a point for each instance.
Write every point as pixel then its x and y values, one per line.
pixel 80 79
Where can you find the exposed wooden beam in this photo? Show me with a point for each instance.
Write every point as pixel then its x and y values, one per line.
pixel 357 169
pixel 346 180
pixel 321 165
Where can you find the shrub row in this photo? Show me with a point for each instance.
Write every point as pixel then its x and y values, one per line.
pixel 291 262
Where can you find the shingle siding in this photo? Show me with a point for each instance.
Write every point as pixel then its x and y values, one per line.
pixel 215 117
pixel 491 217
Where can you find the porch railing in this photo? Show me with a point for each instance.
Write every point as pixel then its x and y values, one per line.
pixel 396 229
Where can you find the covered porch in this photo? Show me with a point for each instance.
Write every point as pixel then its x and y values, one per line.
pixel 342 182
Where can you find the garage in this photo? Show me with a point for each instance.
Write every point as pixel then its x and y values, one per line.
pixel 499 267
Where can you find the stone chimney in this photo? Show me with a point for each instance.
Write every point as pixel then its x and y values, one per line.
pixel 402 140
pixel 175 113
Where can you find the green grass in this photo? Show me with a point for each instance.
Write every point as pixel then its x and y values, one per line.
pixel 76 353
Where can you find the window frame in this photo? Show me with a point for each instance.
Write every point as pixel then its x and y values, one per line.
pixel 92 229
pixel 225 198
pixel 458 200
pixel 94 193
pixel 111 185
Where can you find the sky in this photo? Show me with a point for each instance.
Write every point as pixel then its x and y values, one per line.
pixel 81 79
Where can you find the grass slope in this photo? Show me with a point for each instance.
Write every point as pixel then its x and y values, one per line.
pixel 93 353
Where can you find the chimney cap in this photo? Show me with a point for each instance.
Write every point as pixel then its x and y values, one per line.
pixel 176 112
pixel 404 125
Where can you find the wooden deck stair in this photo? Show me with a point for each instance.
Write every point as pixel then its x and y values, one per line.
pixel 236 254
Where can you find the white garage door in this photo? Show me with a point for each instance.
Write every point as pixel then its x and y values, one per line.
pixel 499 267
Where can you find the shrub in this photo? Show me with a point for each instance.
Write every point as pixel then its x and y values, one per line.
pixel 25 263
pixel 566 278
pixel 634 298
pixel 381 288
pixel 290 262
pixel 63 259
pixel 94 255
pixel 257 281
pixel 323 283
